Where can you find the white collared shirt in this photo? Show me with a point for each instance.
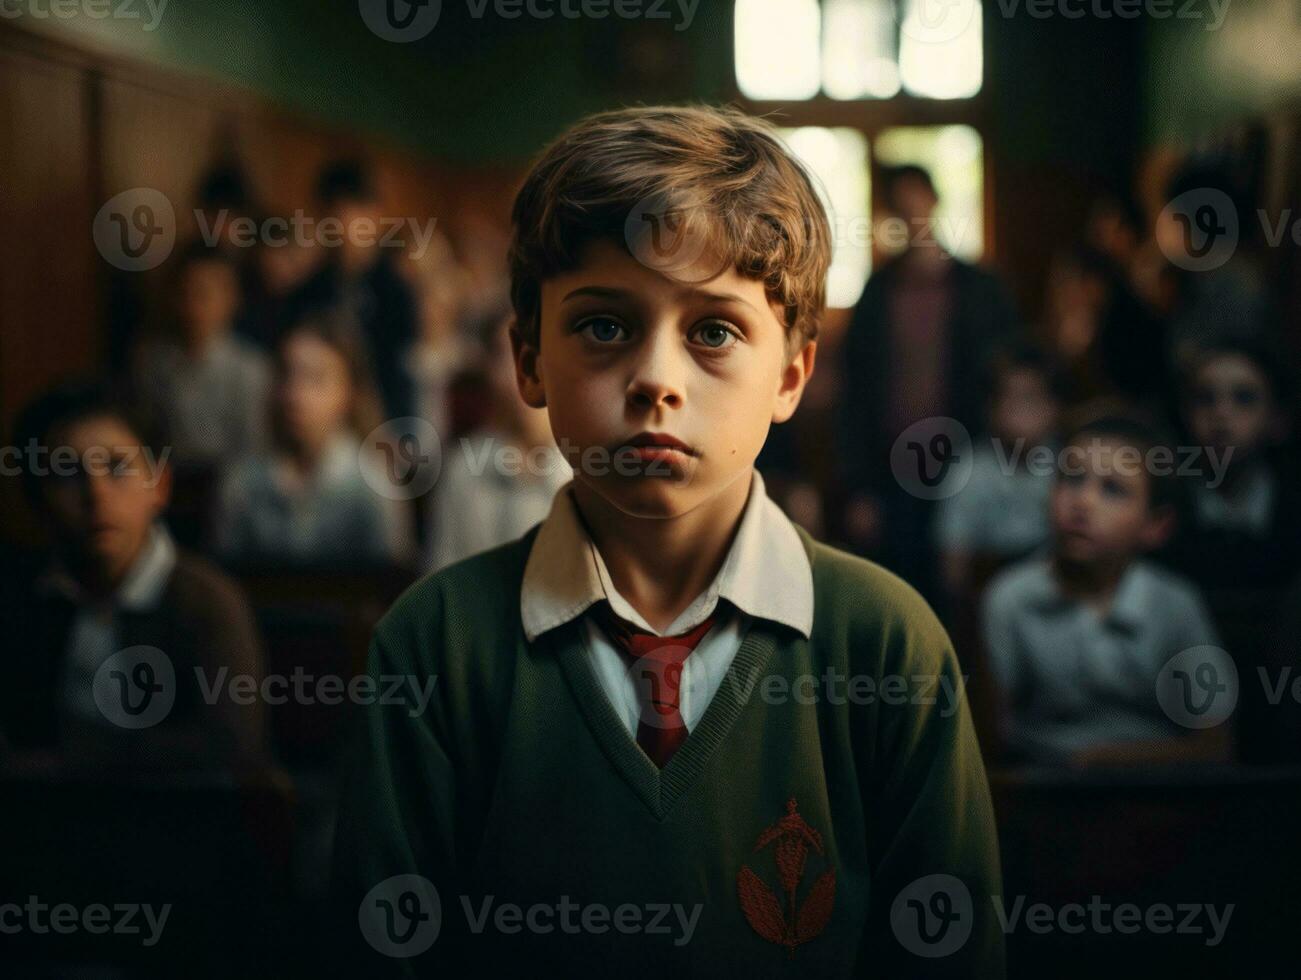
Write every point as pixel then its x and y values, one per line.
pixel 766 575
pixel 481 502
pixel 1250 508
pixel 93 637
pixel 1075 677
pixel 268 511
pixel 215 401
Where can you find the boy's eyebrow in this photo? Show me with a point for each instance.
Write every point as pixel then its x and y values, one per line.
pixel 613 292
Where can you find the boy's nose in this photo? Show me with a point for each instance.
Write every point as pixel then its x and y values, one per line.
pixel 658 374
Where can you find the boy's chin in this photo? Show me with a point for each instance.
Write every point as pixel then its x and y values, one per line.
pixel 648 496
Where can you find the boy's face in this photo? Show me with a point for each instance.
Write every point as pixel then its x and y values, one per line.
pixel 913 201
pixel 208 300
pixel 1230 405
pixel 314 390
pixel 1024 408
pixel 101 513
pixel 1101 505
pixel 627 354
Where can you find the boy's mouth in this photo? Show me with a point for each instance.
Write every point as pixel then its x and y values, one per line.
pixel 650 446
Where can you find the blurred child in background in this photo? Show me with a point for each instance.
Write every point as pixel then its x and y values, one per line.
pixel 361 277
pixel 1002 511
pixel 115 581
pixel 499 482
pixel 209 384
pixel 1077 640
pixel 443 347
pixel 1108 339
pixel 1244 520
pixel 308 501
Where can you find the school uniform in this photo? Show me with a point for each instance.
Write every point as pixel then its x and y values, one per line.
pixel 215 403
pixel 59 637
pixel 789 817
pixel 1229 543
pixel 266 512
pixel 998 512
pixel 1074 679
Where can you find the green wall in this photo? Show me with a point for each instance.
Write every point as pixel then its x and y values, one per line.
pixel 487 88
pixel 1198 79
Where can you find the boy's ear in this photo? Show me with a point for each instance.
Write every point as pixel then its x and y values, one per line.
pixel 794 377
pixel 1158 527
pixel 163 486
pixel 528 369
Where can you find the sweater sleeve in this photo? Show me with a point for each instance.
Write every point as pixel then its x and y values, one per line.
pixel 934 841
pixel 395 855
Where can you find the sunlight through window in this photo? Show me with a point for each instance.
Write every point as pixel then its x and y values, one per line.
pixel 837 158
pixel 859 43
pixel 858 49
pixel 777 48
pixel 941 56
pixel 954 156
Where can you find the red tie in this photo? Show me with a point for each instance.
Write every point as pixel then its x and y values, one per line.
pixel 656 663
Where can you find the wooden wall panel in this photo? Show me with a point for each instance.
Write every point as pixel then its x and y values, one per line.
pixel 49 302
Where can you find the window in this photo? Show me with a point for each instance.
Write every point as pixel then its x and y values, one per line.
pixel 840 162
pixel 954 157
pixel 858 49
pixel 837 159
pixel 777 48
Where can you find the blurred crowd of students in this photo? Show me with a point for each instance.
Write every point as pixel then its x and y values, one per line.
pixel 249 434
pixel 1130 494
pixel 1067 591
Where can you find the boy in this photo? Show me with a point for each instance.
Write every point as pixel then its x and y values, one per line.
pixel 1243 523
pixel 614 751
pixel 1002 511
pixel 1077 641
pixel 499 481
pixel 209 384
pixel 115 585
pixel 925 321
pixel 362 279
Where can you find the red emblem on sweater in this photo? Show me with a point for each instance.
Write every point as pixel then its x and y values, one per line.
pixel 787 920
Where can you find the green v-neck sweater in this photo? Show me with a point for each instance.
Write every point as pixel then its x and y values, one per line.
pixel 828 816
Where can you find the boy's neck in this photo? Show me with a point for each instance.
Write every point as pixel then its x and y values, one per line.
pixel 660 565
pixel 1238 474
pixel 101 576
pixel 1093 583
pixel 304 458
pixel 199 340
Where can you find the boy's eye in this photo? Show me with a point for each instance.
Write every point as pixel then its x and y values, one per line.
pixel 1246 397
pixel 714 334
pixel 602 329
pixel 1114 488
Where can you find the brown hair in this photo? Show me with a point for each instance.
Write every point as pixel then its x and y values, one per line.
pixel 713 172
pixel 1109 418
